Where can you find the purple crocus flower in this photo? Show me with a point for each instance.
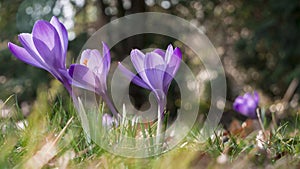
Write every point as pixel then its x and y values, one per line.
pixel 45 48
pixel 92 72
pixel 247 104
pixel 155 72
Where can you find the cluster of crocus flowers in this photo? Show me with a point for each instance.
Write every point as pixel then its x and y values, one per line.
pixel 46 48
pixel 247 104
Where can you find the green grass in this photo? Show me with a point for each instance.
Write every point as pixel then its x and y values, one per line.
pixel 53 137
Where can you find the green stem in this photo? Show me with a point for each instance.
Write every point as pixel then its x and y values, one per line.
pixel 159 131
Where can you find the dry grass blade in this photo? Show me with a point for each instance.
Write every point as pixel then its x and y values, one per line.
pixel 47 152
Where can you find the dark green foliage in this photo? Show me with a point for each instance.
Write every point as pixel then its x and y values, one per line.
pixel 273 49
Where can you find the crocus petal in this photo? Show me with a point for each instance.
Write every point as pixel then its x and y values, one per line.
pixel 246 105
pixel 137 59
pixel 243 109
pixel 167 81
pixel 155 77
pixel 62 32
pixel 256 97
pixel 154 61
pixel 106 58
pixel 23 55
pixel 177 52
pixel 155 70
pixel 135 79
pixel 250 102
pixel 172 67
pixel 160 52
pixel 47 42
pixel 240 105
pixel 83 77
pixel 169 53
pixel 85 56
pixel 27 42
pixel 238 100
pixel 95 61
pixel 66 76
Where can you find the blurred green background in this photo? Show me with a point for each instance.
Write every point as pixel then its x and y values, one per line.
pixel 258 41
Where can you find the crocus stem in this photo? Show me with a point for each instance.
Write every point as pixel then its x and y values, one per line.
pixel 110 106
pixel 82 115
pixel 159 138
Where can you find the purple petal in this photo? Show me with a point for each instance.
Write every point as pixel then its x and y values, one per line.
pixel 66 74
pixel 155 70
pixel 135 79
pixel 247 96
pixel 62 32
pixel 106 58
pixel 256 97
pixel 240 105
pixel 167 81
pixel 243 109
pixel 172 67
pixel 155 77
pixel 93 60
pixel 245 105
pixel 250 102
pixel 27 42
pixel 177 52
pixel 23 55
pixel 66 79
pixel 153 60
pixel 138 59
pixel 47 42
pixel 160 52
pixel 169 53
pixel 83 77
pixel 85 56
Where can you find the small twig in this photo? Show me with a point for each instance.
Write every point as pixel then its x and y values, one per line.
pixel 260 121
pixel 291 89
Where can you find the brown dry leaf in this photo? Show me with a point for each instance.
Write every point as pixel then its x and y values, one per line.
pixel 47 152
pixel 43 156
pixel 244 129
pixel 235 127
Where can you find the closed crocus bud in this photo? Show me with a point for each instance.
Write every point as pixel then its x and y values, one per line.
pixel 247 104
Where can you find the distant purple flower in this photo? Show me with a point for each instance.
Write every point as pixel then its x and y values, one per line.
pixel 45 48
pixel 155 70
pixel 92 72
pixel 109 121
pixel 247 104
